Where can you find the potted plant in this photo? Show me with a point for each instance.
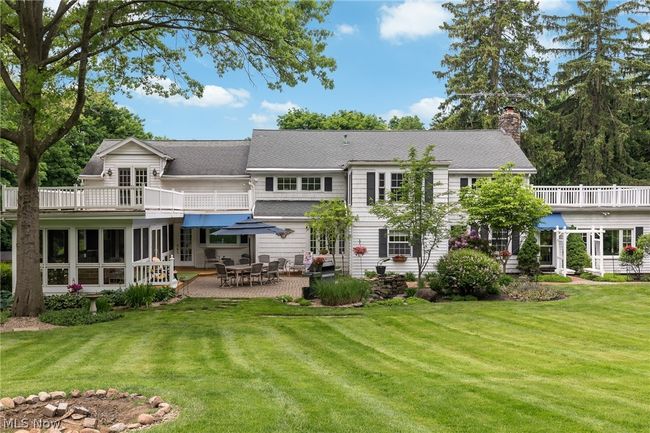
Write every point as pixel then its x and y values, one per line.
pixel 380 267
pixel 359 251
pixel 399 258
pixel 75 288
pixel 317 263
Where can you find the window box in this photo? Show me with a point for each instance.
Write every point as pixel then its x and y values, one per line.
pixel 399 259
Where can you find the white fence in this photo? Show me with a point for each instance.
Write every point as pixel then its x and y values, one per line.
pixel 129 198
pixel 594 196
pixel 157 273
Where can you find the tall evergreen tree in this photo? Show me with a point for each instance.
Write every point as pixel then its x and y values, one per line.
pixel 591 98
pixel 494 55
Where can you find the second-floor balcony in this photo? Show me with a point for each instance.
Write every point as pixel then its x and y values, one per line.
pixel 131 198
pixel 580 196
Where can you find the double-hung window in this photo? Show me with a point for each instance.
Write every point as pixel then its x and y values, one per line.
pixel 382 187
pixel 287 183
pixel 311 183
pixel 396 180
pixel 398 244
pixel 615 240
pixel 499 240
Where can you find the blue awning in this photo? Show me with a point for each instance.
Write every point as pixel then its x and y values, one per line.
pixel 213 220
pixel 551 221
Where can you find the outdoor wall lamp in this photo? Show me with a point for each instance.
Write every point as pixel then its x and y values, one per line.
pixel 110 172
pixel 155 172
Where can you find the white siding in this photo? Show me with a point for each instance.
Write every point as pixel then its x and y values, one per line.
pixel 276 247
pixel 132 155
pixel 338 187
pixel 205 185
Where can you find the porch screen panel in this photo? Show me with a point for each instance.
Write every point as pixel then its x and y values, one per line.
pixel 88 246
pixel 113 246
pixel 57 246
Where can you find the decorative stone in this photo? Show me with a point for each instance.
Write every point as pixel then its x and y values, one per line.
pixel 133 425
pixel 67 414
pixel 89 430
pixel 32 399
pixel 155 401
pixel 117 428
pixel 111 392
pixel 75 393
pixel 81 410
pixel 57 394
pixel 90 422
pixel 19 400
pixel 89 393
pixel 146 419
pixel 100 393
pixel 49 410
pixel 159 414
pixel 44 396
pixel 166 407
pixel 124 395
pixel 77 416
pixel 62 408
pixel 7 402
pixel 426 294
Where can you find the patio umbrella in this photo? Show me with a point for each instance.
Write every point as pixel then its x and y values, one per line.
pixel 250 227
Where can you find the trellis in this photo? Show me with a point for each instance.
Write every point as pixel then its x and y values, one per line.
pixel 595 248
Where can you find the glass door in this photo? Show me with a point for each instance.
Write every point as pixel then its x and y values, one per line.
pixel 124 180
pixel 156 242
pixel 186 246
pixel 141 181
pixel 546 247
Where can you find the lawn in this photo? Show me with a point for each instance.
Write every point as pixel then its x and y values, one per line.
pixel 577 365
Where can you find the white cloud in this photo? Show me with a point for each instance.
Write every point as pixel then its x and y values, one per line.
pixel 213 96
pixel 278 107
pixel 260 119
pixel 412 19
pixel 425 109
pixel 346 29
pixel 553 5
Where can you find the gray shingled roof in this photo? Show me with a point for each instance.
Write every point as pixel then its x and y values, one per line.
pixel 192 157
pixel 283 208
pixel 476 149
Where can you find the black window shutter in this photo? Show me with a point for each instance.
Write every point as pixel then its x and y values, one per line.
pixel 485 233
pixel 638 232
pixel 328 184
pixel 171 237
pixel 201 236
pixel 416 248
pixel 515 243
pixel 428 188
pixel 383 243
pixel 269 184
pixel 464 182
pixel 350 189
pixel 370 187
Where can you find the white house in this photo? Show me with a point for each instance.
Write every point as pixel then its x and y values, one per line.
pixel 143 207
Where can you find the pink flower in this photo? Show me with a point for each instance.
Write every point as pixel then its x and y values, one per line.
pixel 75 288
pixel 359 250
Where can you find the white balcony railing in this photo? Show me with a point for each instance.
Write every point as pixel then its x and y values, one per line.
pixel 581 196
pixel 129 198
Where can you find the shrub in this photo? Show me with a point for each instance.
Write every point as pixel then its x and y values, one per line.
pixel 370 274
pixel 468 272
pixel 528 255
pixel 284 299
pixel 504 280
pixel 66 301
pixel 552 278
pixel 5 276
pixel 344 290
pixel 163 293
pixel 77 316
pixel 531 291
pixel 410 276
pixel 115 297
pixel 139 295
pixel 608 278
pixel 410 291
pixel 4 316
pixel 434 282
pixel 577 257
pixel 6 299
pixel 632 258
pixel 103 304
pixel 470 240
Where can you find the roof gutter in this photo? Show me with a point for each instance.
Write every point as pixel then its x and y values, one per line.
pixel 383 162
pixel 491 170
pixel 295 169
pixel 203 176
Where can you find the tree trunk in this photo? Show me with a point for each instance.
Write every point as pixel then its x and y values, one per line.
pixel 28 297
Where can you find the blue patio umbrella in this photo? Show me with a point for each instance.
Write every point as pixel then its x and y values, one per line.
pixel 250 227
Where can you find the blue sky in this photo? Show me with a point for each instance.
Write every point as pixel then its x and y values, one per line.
pixel 385 53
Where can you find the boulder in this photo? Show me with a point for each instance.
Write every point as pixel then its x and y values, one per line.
pixel 146 419
pixel 90 423
pixel 155 401
pixel 32 398
pixel 100 393
pixel 427 294
pixel 19 400
pixel 44 396
pixel 7 402
pixel 75 393
pixel 111 392
pixel 166 407
pixel 159 414
pixel 62 408
pixel 133 425
pixel 81 410
pixel 117 428
pixel 57 394
pixel 49 410
pixel 89 393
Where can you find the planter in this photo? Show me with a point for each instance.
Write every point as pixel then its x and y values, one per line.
pixel 308 293
pixel 399 259
pixel 381 270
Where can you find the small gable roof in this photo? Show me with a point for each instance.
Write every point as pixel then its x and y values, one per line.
pixel 115 146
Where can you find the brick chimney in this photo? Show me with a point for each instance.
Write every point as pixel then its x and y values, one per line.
pixel 510 123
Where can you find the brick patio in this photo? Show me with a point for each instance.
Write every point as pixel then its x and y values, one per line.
pixel 208 287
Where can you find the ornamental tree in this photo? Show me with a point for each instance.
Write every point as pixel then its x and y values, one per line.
pixel 419 211
pixel 528 257
pixel 50 56
pixel 332 220
pixel 504 202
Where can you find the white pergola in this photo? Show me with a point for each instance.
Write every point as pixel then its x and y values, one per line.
pixel 594 248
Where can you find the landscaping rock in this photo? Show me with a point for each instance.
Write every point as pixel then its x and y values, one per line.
pixel 19 400
pixel 89 393
pixel 427 294
pixel 7 402
pixel 89 430
pixel 133 425
pixel 389 286
pixel 44 396
pixel 117 428
pixel 32 398
pixel 22 431
pixel 155 401
pixel 165 407
pixel 57 394
pixel 61 408
pixel 77 416
pixel 75 393
pixel 81 410
pixel 100 393
pixel 90 423
pixel 159 414
pixel 111 392
pixel 49 410
pixel 67 414
pixel 146 419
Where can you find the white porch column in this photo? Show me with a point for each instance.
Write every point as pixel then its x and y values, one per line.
pixel 128 255
pixel 72 255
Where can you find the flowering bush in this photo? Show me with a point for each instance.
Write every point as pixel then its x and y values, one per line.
pixel 470 240
pixel 318 261
pixel 75 288
pixel 632 258
pixel 467 272
pixel 360 250
pixel 399 258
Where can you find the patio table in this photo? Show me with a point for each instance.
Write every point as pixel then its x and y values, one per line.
pixel 240 269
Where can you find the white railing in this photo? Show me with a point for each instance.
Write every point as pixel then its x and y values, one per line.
pixel 594 196
pixel 157 273
pixel 129 198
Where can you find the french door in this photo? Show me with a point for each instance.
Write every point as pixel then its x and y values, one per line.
pixel 127 176
pixel 546 247
pixel 124 180
pixel 156 242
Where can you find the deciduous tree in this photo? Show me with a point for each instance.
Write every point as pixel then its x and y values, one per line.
pixel 331 219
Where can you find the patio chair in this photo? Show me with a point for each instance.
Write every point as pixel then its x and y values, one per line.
pixel 227 261
pixel 298 264
pixel 256 273
pixel 264 258
pixel 244 261
pixel 210 256
pixel 225 277
pixel 282 264
pixel 273 273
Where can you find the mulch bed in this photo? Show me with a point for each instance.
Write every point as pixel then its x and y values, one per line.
pixel 25 324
